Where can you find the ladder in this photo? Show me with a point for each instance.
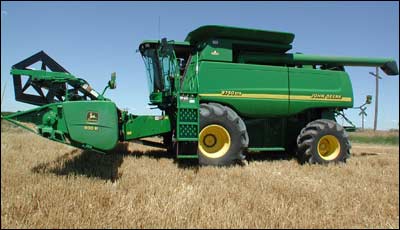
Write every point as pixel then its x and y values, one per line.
pixel 187 125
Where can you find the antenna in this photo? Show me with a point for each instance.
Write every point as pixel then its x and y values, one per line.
pixel 159 25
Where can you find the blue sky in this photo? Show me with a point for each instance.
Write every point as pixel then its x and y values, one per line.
pixel 93 39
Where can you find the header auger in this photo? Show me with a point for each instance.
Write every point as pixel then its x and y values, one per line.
pixel 224 91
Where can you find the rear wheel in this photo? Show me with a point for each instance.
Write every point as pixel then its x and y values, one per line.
pixel 323 141
pixel 223 135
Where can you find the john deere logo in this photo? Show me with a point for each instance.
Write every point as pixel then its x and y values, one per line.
pixel 92 117
pixel 214 52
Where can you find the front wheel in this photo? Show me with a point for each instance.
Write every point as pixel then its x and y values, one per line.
pixel 323 141
pixel 223 135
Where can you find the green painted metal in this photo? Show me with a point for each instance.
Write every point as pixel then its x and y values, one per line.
pixel 266 149
pixel 83 124
pixel 232 50
pixel 149 143
pixel 44 75
pixel 157 42
pixel 313 88
pixel 188 117
pixel 388 65
pixel 187 156
pixel 47 79
pixel 273 90
pixel 263 92
pixel 95 123
pixel 187 123
pixel 19 124
pixel 156 98
pixel 135 127
pixel 32 115
pixel 338 60
pixel 54 130
pixel 203 33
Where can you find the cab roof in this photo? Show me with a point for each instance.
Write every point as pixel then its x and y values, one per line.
pixel 204 33
pixel 179 43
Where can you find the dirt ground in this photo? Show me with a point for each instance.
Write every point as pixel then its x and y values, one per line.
pixel 45 184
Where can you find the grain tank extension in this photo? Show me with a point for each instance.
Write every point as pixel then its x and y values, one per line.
pixel 223 92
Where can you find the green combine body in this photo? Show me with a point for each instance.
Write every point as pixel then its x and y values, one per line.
pixel 223 91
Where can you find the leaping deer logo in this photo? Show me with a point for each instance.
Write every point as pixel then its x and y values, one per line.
pixel 92 116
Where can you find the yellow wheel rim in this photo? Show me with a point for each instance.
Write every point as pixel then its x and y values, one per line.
pixel 214 141
pixel 328 147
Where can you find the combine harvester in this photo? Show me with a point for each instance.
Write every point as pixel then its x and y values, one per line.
pixel 222 91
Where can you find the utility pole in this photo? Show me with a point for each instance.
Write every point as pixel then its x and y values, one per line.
pixel 376 96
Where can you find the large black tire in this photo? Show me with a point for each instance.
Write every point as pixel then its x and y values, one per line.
pixel 223 136
pixel 323 141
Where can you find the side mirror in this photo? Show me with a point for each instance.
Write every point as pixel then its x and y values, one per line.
pixel 181 63
pixel 112 83
pixel 368 99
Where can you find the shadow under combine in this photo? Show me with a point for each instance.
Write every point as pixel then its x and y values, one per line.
pixel 269 156
pixel 363 154
pixel 87 163
pixel 103 166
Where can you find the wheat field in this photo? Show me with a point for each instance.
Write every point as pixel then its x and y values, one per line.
pixel 45 184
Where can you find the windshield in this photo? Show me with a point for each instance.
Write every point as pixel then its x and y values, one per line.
pixel 152 70
pixel 159 68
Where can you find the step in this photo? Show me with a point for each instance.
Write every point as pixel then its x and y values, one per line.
pixel 187 156
pixel 187 139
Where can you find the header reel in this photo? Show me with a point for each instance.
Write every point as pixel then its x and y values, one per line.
pixel 53 83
